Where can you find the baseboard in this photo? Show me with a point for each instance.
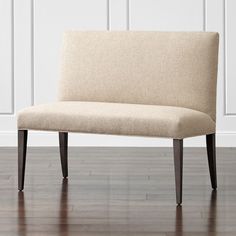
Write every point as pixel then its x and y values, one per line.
pixel 36 138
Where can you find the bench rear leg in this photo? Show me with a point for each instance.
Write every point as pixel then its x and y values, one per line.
pixel 22 147
pixel 63 142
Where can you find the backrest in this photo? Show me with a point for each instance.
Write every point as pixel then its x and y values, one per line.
pixel 160 68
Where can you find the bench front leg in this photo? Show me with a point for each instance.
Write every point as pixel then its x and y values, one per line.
pixel 178 162
pixel 22 147
pixel 211 153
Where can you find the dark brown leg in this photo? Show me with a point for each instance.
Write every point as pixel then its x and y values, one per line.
pixel 178 161
pixel 211 153
pixel 22 146
pixel 63 141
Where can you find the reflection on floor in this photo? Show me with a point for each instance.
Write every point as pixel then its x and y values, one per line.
pixel 117 191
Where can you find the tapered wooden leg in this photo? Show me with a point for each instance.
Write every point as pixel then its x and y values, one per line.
pixel 211 153
pixel 178 162
pixel 22 147
pixel 63 141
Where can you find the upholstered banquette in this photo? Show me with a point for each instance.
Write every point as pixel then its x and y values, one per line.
pixel 159 84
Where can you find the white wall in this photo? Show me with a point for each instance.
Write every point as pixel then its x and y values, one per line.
pixel 30 41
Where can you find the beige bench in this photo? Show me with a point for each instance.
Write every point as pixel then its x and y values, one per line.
pixel 158 84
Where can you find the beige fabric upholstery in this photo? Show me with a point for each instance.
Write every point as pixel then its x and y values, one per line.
pixel 159 84
pixel 117 118
pixel 158 68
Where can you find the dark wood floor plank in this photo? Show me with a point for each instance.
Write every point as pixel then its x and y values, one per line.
pixel 117 191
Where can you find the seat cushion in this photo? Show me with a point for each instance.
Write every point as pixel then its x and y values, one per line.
pixel 116 118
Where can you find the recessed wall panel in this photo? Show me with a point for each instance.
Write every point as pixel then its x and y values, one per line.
pixel 51 19
pixel 167 15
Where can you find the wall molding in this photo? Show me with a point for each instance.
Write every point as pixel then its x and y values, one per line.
pixel 32 8
pixel 225 57
pixel 127 14
pixel 204 15
pixel 108 15
pixel 12 57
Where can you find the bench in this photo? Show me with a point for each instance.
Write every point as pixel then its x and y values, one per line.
pixel 154 84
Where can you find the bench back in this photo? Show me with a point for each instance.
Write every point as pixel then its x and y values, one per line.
pixel 157 68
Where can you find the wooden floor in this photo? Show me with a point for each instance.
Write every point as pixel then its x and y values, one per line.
pixel 117 192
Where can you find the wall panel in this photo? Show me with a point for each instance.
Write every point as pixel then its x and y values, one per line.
pixel 31 33
pixel 51 19
pixel 167 15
